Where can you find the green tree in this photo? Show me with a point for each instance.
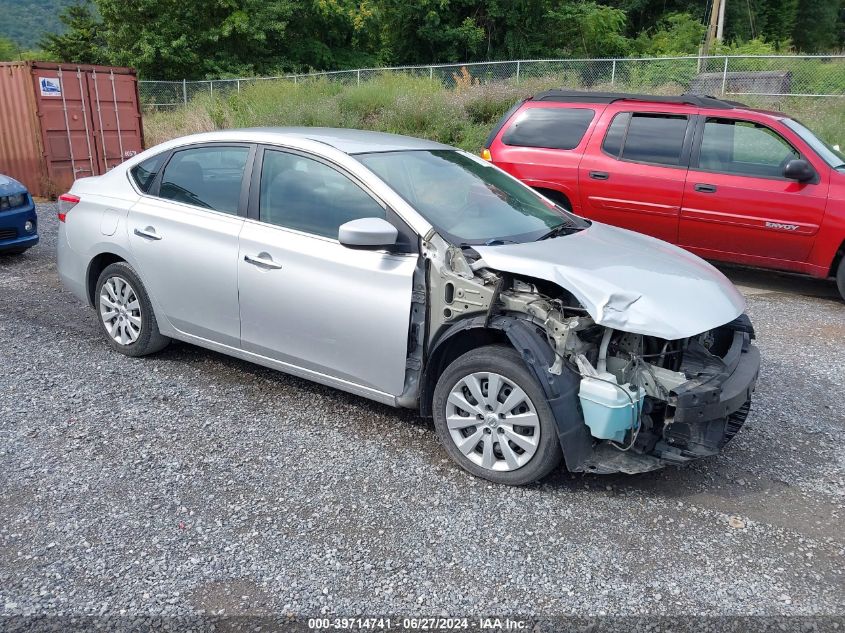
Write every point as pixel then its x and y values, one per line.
pixel 83 40
pixel 816 26
pixel 8 50
pixel 676 34
pixel 588 29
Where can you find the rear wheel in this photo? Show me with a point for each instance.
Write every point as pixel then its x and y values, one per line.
pixel 125 312
pixel 840 278
pixel 14 251
pixel 492 417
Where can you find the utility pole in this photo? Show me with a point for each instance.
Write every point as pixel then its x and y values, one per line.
pixel 720 27
pixel 714 29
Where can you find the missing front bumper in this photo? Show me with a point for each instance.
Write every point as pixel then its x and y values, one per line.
pixel 705 414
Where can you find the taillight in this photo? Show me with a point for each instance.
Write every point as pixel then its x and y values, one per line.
pixel 66 202
pixel 485 154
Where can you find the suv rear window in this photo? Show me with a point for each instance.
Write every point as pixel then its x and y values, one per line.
pixel 644 137
pixel 553 128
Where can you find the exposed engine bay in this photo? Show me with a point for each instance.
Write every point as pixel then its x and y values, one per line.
pixel 627 402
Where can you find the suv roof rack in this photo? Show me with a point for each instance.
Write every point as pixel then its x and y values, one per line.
pixel 580 96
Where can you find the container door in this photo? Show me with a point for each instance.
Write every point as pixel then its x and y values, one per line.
pixel 116 119
pixel 64 111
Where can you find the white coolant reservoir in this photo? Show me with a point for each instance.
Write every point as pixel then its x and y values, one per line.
pixel 610 409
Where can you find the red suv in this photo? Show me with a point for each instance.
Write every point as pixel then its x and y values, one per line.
pixel 728 182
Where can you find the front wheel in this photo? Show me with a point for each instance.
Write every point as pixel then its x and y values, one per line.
pixel 125 312
pixel 840 278
pixel 492 417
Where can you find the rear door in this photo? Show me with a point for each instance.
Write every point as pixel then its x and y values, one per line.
pixel 737 204
pixel 184 236
pixel 633 176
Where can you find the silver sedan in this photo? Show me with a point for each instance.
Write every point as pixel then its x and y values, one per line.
pixel 420 276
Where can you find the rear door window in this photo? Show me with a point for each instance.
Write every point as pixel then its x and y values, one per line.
pixel 553 128
pixel 646 137
pixel 207 177
pixel 743 147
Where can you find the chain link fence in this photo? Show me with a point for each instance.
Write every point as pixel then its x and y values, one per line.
pixel 726 76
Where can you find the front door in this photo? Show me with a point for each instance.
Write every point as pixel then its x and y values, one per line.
pixel 309 301
pixel 738 206
pixel 634 176
pixel 184 236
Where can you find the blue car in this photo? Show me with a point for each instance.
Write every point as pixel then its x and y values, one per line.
pixel 18 222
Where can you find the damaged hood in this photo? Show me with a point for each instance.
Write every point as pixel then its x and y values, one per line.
pixel 627 281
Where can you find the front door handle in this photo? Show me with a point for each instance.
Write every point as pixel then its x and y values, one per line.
pixel 599 175
pixel 704 188
pixel 262 260
pixel 148 233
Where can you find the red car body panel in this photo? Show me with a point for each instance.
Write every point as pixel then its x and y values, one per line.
pixel 765 222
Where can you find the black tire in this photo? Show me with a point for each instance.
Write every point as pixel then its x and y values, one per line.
pixel 506 362
pixel 840 278
pixel 15 251
pixel 149 340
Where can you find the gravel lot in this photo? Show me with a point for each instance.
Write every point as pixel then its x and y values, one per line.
pixel 191 482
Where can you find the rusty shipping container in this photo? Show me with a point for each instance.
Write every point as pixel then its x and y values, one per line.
pixel 60 122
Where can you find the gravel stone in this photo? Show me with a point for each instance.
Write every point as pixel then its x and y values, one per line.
pixel 190 482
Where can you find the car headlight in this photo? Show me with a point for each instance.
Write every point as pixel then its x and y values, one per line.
pixel 10 202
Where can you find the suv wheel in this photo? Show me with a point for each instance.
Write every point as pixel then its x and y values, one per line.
pixel 125 312
pixel 840 278
pixel 493 419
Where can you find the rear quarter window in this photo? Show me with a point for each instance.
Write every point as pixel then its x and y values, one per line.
pixel 552 128
pixel 145 172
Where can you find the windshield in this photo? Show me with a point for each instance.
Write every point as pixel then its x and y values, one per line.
pixel 468 200
pixel 831 155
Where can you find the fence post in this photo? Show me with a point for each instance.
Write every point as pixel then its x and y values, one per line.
pixel 517 71
pixel 185 91
pixel 239 86
pixel 359 76
pixel 613 74
pixel 725 76
pixel 211 88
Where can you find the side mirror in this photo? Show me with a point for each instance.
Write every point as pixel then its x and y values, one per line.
pixel 367 233
pixel 800 170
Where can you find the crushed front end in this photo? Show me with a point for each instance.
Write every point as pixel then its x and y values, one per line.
pixel 623 401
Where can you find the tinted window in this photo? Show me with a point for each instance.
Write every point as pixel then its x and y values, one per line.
pixel 556 128
pixel 743 147
pixel 616 134
pixel 307 195
pixel 466 198
pixel 145 172
pixel 208 177
pixel 655 138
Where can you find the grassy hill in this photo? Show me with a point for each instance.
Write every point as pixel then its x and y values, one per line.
pixel 25 21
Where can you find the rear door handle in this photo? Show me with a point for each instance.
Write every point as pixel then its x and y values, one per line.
pixel 262 260
pixel 148 233
pixel 704 188
pixel 599 175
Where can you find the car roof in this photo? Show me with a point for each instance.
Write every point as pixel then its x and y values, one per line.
pixel 346 140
